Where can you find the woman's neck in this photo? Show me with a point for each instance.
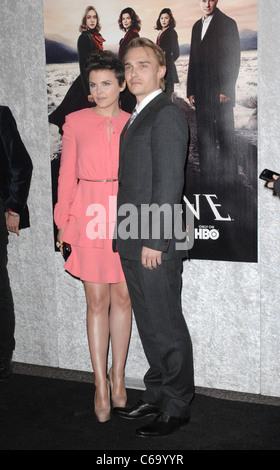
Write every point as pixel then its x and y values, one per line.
pixel 112 112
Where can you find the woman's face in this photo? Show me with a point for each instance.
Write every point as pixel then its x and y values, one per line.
pixel 105 90
pixel 126 21
pixel 164 20
pixel 91 19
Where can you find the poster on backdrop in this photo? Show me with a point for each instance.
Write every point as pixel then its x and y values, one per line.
pixel 212 78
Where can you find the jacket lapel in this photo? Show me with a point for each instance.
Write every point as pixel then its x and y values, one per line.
pixel 128 131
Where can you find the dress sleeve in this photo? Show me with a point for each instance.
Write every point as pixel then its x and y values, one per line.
pixel 67 180
pixel 175 49
pixel 84 50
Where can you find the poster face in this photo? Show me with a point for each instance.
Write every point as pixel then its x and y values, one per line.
pixel 215 85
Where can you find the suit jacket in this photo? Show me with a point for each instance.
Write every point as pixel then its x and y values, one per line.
pixel 15 168
pixel 153 152
pixel 214 62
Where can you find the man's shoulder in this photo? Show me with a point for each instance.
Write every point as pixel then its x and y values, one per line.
pixel 5 110
pixel 166 110
pixel 222 17
pixel 6 116
pixel 161 101
pixel 197 24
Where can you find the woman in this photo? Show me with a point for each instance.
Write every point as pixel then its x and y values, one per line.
pixel 85 218
pixel 168 41
pixel 131 24
pixel 78 96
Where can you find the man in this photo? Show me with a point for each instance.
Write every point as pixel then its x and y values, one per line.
pixel 15 177
pixel 213 70
pixel 153 150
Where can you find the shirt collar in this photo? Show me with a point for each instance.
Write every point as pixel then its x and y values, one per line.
pixel 207 19
pixel 147 100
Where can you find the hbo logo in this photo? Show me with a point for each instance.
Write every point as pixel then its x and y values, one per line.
pixel 206 234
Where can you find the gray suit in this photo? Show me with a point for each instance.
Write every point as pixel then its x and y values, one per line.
pixel 153 153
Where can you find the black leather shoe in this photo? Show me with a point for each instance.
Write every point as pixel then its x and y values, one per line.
pixel 138 411
pixel 162 425
pixel 5 368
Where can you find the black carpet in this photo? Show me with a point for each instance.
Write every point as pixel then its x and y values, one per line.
pixel 38 413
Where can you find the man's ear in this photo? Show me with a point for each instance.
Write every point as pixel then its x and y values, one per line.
pixel 162 71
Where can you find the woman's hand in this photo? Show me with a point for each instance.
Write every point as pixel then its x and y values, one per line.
pixel 60 239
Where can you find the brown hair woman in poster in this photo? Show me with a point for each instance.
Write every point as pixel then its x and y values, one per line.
pixel 78 96
pixel 129 22
pixel 168 41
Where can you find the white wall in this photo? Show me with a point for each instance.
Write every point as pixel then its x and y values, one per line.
pixel 231 308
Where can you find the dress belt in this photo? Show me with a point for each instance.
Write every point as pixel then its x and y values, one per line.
pixel 99 181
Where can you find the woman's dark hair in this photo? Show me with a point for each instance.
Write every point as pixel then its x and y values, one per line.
pixel 105 60
pixel 172 22
pixel 135 20
pixel 83 26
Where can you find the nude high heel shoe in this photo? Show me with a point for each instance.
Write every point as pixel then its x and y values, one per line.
pixel 103 414
pixel 118 401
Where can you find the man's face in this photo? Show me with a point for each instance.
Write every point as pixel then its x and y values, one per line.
pixel 208 6
pixel 142 72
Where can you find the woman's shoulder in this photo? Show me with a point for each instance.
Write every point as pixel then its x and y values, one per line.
pixel 172 32
pixel 83 36
pixel 134 33
pixel 84 39
pixel 82 114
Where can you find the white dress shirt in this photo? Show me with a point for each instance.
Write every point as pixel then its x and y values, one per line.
pixel 147 100
pixel 205 25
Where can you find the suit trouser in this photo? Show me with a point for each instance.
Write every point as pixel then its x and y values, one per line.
pixel 7 316
pixel 156 302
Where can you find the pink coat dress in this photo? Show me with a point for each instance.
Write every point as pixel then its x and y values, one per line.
pixel 86 206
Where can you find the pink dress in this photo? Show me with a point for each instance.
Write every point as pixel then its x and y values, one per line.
pixel 86 206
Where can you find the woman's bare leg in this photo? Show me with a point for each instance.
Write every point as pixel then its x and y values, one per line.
pixel 120 330
pixel 98 302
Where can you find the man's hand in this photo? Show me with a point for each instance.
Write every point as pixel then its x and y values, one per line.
pixel 150 258
pixel 192 100
pixel 224 98
pixel 12 222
